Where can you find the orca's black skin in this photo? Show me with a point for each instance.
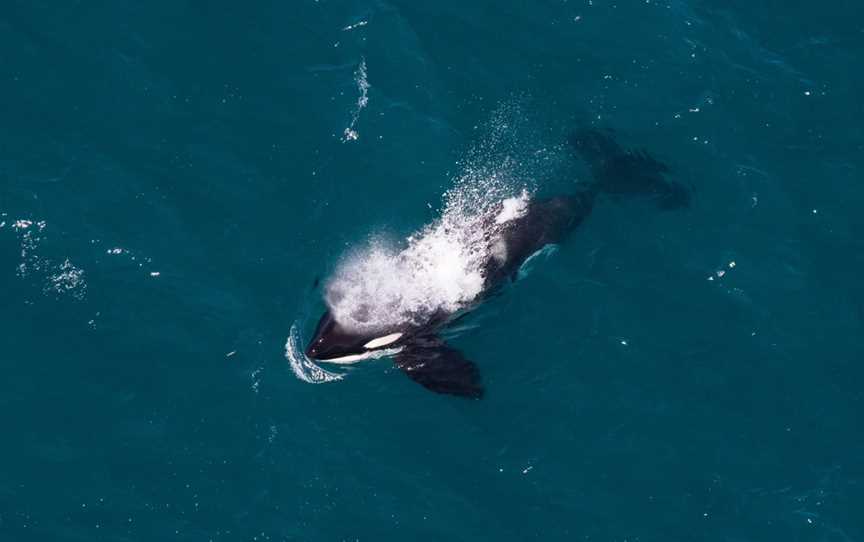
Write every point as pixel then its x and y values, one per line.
pixel 424 356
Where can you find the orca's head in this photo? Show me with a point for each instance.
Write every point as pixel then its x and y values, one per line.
pixel 333 342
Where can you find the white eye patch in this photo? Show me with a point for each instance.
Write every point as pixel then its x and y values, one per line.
pixel 382 341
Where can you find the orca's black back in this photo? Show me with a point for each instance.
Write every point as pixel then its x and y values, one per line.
pixel 615 171
pixel 546 221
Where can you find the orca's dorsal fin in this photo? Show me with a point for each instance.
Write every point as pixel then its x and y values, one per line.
pixel 440 368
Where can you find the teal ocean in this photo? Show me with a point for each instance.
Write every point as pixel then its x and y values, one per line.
pixel 178 180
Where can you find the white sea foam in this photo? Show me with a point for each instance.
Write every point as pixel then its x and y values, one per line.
pixel 62 279
pixel 512 208
pixel 383 284
pixel 361 79
pixel 358 24
pixel 67 279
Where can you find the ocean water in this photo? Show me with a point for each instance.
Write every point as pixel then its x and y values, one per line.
pixel 175 177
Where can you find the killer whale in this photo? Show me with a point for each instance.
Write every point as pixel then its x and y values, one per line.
pixel 518 230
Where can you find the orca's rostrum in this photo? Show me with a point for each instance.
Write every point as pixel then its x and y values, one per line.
pixel 401 302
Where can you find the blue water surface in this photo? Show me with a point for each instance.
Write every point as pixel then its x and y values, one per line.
pixel 174 175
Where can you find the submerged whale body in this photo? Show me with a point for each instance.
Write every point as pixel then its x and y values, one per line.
pixel 509 234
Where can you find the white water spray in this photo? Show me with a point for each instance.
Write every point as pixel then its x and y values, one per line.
pixel 440 268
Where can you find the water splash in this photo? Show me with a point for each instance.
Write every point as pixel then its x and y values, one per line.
pixel 61 279
pixel 358 24
pixel 361 79
pixel 441 267
pixel 30 233
pixel 303 367
pixel 67 279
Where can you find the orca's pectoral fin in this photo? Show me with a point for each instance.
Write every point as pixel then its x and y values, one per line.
pixel 440 368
